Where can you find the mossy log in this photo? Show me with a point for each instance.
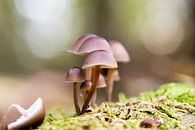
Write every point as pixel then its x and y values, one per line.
pixel 173 103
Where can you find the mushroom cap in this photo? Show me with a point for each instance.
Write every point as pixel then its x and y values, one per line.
pixel 119 52
pixel 75 74
pixel 102 58
pixel 101 82
pixel 34 115
pixel 75 47
pixel 94 44
pixel 86 86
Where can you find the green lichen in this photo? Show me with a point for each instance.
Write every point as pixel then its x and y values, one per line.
pixel 174 103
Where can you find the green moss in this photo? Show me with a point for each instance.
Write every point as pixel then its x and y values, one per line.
pixel 181 92
pixel 188 97
pixel 174 103
pixel 122 98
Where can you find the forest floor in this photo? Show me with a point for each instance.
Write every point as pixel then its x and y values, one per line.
pixel 171 106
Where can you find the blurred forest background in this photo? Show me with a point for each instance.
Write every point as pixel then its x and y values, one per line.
pixel 35 34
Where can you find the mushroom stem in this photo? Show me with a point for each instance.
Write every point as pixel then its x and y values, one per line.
pixel 110 83
pixel 76 104
pixel 88 73
pixel 95 78
pixel 86 93
pixel 93 99
pixel 88 77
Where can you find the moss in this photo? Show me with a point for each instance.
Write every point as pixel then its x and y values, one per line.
pixel 174 103
pixel 188 97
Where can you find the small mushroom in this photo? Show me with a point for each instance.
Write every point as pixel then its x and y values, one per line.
pixel 34 115
pixel 74 76
pixel 101 84
pixel 86 86
pixel 97 60
pixel 121 55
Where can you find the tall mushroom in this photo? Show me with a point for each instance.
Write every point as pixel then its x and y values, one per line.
pixel 87 44
pixel 34 115
pixel 97 60
pixel 75 47
pixel 90 45
pixel 101 84
pixel 75 75
pixel 94 44
pixel 121 55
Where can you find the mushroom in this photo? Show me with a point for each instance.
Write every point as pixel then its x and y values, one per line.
pixel 75 47
pixel 34 115
pixel 97 60
pixel 101 84
pixel 94 43
pixel 121 55
pixel 74 76
pixel 87 44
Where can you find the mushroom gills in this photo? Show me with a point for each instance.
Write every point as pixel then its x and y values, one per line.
pixel 34 115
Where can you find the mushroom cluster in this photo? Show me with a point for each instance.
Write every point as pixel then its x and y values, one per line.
pixel 98 54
